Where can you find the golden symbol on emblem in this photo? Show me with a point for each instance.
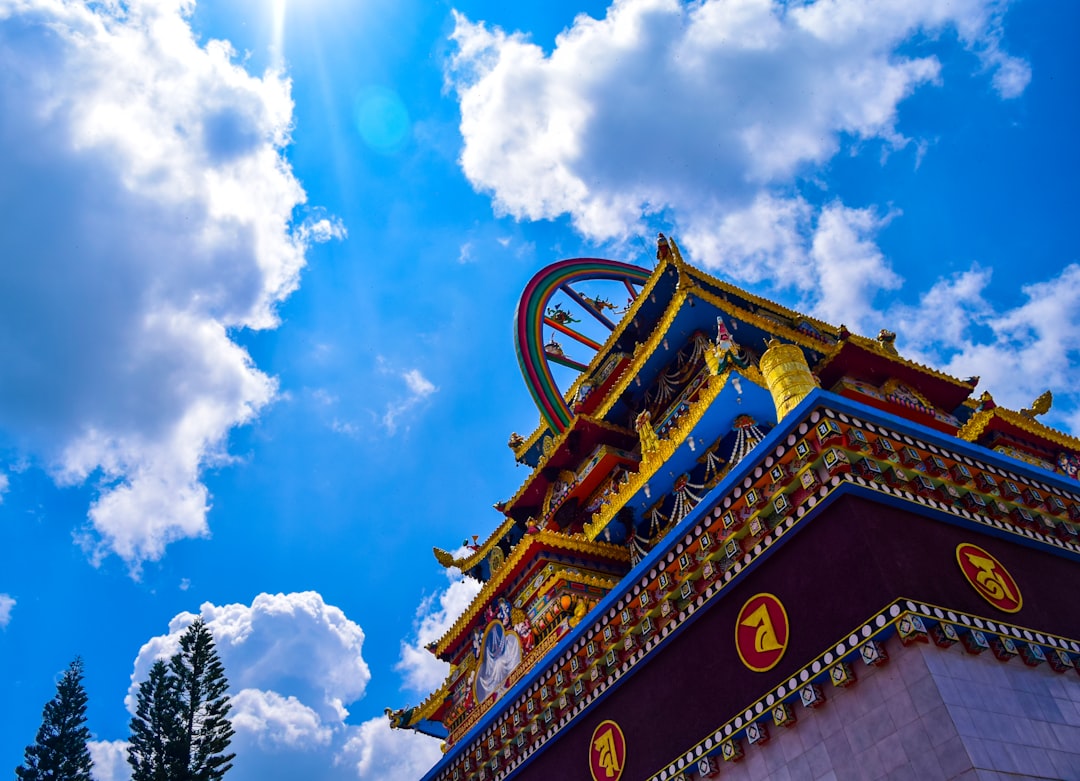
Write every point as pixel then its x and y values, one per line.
pixel 607 752
pixel 761 632
pixel 991 580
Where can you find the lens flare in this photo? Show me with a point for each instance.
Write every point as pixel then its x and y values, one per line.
pixel 381 119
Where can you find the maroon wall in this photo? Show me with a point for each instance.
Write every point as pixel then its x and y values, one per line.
pixel 839 569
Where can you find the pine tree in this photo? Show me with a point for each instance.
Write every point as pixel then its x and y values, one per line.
pixel 181 729
pixel 155 728
pixel 60 753
pixel 204 706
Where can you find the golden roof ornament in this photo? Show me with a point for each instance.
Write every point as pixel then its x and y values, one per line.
pixel 887 341
pixel 787 375
pixel 1040 406
pixel 663 249
pixel 515 441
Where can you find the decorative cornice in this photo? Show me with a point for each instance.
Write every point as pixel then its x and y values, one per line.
pixel 703 276
pixel 557 540
pixel 425 710
pixel 778 329
pixel 908 620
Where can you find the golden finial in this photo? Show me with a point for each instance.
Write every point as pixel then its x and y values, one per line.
pixel 516 440
pixel 1040 406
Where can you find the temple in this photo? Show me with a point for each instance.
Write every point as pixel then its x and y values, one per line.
pixel 756 545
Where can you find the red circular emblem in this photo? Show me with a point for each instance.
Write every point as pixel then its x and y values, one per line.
pixel 761 632
pixel 607 752
pixel 989 578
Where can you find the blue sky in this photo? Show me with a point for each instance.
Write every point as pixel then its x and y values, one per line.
pixel 256 297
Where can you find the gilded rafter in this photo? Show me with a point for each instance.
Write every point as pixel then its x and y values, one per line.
pixel 874 346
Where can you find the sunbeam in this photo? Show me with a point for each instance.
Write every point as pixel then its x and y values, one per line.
pixel 277 32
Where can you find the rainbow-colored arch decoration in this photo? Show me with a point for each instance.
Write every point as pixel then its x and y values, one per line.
pixel 529 325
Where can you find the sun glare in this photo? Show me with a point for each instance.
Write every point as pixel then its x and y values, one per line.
pixel 277 32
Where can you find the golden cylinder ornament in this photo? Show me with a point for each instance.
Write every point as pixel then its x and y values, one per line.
pixel 787 375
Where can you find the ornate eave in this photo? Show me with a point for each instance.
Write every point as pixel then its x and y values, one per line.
pixel 412 718
pixel 880 365
pixel 1000 419
pixel 557 455
pixel 691 280
pixel 525 548
pixel 468 562
pixel 778 309
pixel 776 329
pixel 667 447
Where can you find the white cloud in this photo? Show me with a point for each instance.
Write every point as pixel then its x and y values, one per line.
pixel 419 385
pixel 272 721
pixel 148 212
pixel 664 104
pixel 422 671
pixel 4 484
pixel 297 642
pixel 1018 352
pixel 110 760
pixel 420 388
pixel 375 752
pixel 711 112
pixel 828 257
pixel 7 602
pixel 465 254
pixel 323 230
pixel 294 663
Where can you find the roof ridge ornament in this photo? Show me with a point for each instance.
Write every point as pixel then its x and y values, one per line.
pixel 1040 406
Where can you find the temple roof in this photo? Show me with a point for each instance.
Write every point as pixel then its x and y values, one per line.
pixel 477 556
pixel 1018 425
pixel 767 315
pixel 876 360
pixel 523 554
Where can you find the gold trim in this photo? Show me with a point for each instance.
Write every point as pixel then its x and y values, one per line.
pixel 555 540
pixel 447 559
pixel 872 345
pixel 769 326
pixel 977 423
pixel 542 463
pixel 666 448
pixel 645 351
pixel 427 707
pixel 703 276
